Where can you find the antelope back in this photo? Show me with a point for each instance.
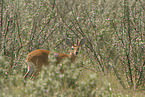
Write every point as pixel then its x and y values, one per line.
pixel 38 56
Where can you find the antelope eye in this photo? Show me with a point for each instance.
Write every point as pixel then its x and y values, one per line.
pixel 72 48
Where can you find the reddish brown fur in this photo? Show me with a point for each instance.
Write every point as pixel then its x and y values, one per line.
pixel 39 57
pixel 59 57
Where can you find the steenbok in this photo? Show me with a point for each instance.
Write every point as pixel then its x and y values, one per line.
pixel 37 58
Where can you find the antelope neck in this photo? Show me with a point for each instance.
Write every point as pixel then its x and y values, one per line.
pixel 72 56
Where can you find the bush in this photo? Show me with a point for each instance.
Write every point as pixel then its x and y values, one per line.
pixel 51 82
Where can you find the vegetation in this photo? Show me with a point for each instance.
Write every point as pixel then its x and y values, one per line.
pixel 111 63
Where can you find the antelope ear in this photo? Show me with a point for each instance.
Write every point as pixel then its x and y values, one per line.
pixel 81 42
pixel 68 42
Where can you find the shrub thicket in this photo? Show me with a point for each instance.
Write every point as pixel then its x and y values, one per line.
pixel 114 32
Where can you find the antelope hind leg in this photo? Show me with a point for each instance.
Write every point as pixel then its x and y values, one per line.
pixel 31 69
